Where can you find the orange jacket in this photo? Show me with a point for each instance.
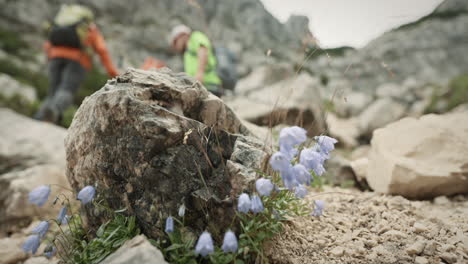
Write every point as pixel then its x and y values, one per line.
pixel 95 40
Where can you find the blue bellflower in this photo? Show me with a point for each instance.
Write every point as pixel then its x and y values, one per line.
pixel 41 229
pixel 61 215
pixel 181 211
pixel 86 194
pixel 31 244
pixel 50 251
pixel 300 191
pixel 244 203
pixel 292 136
pixel 264 186
pixel 257 205
pixel 279 161
pixel 288 177
pixel 302 174
pixel 312 160
pixel 326 144
pixel 169 225
pixel 39 195
pixel 318 210
pixel 204 245
pixel 229 242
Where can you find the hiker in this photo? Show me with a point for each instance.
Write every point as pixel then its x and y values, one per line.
pixel 199 57
pixel 71 39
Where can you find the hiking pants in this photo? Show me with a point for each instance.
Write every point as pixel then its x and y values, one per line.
pixel 65 77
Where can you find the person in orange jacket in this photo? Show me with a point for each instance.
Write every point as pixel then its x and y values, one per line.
pixel 72 38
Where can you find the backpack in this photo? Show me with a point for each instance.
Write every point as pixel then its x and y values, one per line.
pixel 226 67
pixel 70 26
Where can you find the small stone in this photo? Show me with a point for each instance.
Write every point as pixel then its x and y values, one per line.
pixel 430 248
pixel 441 200
pixel 419 227
pixel 337 252
pixel 321 242
pixel 370 243
pixel 395 234
pixel 449 257
pixel 420 260
pixel 416 248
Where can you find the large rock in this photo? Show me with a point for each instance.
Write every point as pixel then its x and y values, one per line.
pixel 351 104
pixel 379 114
pixel 421 158
pixel 345 130
pixel 153 140
pixel 32 153
pixel 138 250
pixel 264 76
pixel 294 101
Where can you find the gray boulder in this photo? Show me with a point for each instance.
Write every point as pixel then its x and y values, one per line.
pixel 378 114
pixel 421 158
pixel 293 101
pixel 151 141
pixel 32 153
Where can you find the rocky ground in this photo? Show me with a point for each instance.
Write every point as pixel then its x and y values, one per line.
pixel 366 227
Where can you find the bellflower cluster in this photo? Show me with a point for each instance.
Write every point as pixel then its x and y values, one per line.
pixel 244 204
pixel 39 196
pixel 310 159
pixel 205 244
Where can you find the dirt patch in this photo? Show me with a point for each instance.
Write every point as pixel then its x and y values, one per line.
pixel 374 228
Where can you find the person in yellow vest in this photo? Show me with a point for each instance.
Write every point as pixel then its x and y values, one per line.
pixel 199 57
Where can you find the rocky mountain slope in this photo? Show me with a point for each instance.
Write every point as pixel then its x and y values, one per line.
pixel 426 51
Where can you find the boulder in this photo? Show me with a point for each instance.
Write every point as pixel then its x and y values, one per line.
pixel 11 87
pixel 294 101
pixel 380 113
pixel 264 76
pixel 135 251
pixel 32 153
pixel 352 103
pixel 359 168
pixel 25 142
pixel 345 130
pixel 390 90
pixel 360 152
pixel 153 140
pixel 421 158
pixel 10 250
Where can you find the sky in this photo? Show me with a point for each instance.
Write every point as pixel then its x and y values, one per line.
pixel 351 22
